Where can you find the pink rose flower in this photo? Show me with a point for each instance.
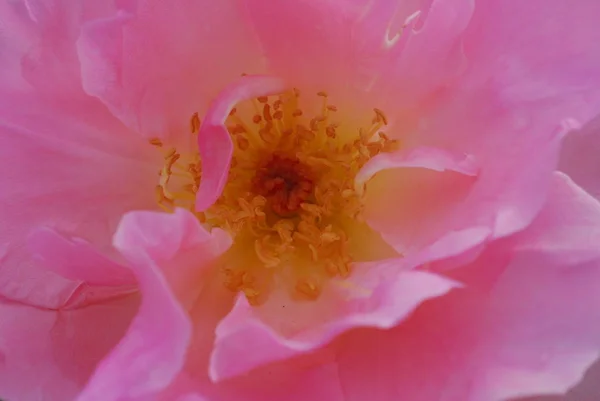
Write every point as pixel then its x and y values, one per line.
pixel 328 200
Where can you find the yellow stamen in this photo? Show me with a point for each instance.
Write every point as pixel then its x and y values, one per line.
pixel 290 186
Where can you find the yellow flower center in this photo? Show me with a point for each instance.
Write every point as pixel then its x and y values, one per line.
pixel 290 201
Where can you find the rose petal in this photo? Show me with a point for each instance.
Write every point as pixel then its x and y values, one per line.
pixel 153 351
pixel 543 336
pixel 432 56
pixel 154 64
pixel 378 294
pixel 542 330
pixel 576 213
pixel 423 359
pixel 515 45
pixel 39 55
pixel 214 140
pixel 579 157
pixel 354 49
pixel 56 146
pixel 76 259
pixel 310 377
pixel 411 195
pixel 159 247
pixel 50 355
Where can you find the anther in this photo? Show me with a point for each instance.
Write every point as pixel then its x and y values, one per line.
pixel 242 142
pixel 267 113
pixel 308 288
pixel 194 123
pixel 380 116
pixel 170 153
pixel 237 129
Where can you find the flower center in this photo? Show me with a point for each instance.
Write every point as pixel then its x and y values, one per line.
pixel 290 199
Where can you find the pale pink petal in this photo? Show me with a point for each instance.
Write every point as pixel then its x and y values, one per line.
pixel 153 351
pixel 432 55
pixel 154 63
pixel 76 259
pixel 412 195
pixel 586 390
pixel 309 377
pixel 354 48
pixel 535 333
pixel 429 158
pixel 50 355
pixel 579 157
pixel 516 152
pixel 513 48
pixel 171 255
pixel 39 51
pixel 513 104
pixel 87 169
pixel 576 213
pixel 542 330
pixel 423 359
pixel 214 141
pixel 378 294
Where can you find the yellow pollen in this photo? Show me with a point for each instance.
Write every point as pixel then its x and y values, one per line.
pixel 290 196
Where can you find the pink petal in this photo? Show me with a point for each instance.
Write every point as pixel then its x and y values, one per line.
pixel 87 171
pixel 544 336
pixel 515 149
pixel 432 55
pixel 514 103
pixel 535 333
pixel 579 157
pixel 153 350
pixel 76 259
pixel 309 377
pixel 214 140
pixel 429 158
pixel 534 59
pixel 168 253
pixel 154 64
pixel 587 390
pixel 423 359
pixel 354 49
pixel 576 213
pixel 50 355
pixel 40 37
pixel 412 194
pixel 378 294
pixel 542 332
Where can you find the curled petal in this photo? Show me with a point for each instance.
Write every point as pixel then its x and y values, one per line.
pixel 214 140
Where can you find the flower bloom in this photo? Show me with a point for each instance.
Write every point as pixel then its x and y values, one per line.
pixel 340 200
